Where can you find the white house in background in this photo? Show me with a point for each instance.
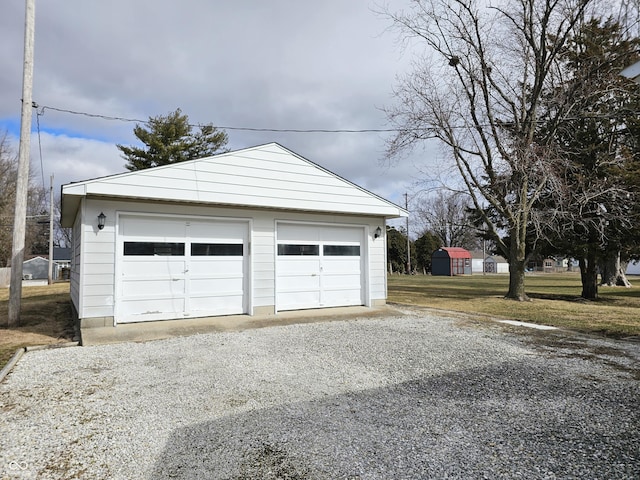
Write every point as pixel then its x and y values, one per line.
pixel 255 231
pixel 633 268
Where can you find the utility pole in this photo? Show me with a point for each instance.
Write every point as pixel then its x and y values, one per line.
pixel 50 276
pixel 484 256
pixel 22 183
pixel 406 206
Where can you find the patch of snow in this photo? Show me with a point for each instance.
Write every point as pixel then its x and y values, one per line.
pixel 528 325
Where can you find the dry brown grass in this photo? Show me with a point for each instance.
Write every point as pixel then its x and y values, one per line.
pixel 45 318
pixel 555 300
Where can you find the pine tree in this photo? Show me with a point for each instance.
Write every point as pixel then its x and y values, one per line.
pixel 594 113
pixel 170 139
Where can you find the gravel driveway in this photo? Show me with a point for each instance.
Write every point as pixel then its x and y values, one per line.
pixel 413 395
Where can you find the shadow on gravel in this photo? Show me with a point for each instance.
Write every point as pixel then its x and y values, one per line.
pixel 508 421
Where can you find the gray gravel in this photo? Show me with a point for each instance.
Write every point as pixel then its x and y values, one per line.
pixel 409 396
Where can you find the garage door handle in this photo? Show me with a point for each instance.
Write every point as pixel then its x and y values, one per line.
pixel 314 274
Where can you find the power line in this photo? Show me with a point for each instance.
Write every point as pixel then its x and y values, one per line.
pixel 303 130
pixel 35 105
pixel 92 115
pixel 247 129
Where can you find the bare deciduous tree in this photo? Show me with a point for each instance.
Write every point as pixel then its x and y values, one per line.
pixel 34 234
pixel 480 93
pixel 8 161
pixel 62 237
pixel 447 216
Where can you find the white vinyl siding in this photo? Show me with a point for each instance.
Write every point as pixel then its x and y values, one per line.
pixel 100 256
pixel 262 259
pixel 268 176
pixel 74 274
pixel 98 265
pixel 377 273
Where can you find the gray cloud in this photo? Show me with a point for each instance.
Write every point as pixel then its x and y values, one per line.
pixel 278 64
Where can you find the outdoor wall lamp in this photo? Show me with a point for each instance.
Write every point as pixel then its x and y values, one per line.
pixel 377 233
pixel 101 218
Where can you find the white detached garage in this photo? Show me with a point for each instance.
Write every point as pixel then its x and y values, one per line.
pixel 255 231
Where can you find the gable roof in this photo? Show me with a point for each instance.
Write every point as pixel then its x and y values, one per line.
pixel 455 252
pixel 478 255
pixel 36 259
pixel 266 176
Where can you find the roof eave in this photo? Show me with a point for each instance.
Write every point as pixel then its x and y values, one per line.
pixel 71 204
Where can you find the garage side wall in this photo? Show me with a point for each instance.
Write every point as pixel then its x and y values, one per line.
pixel 97 263
pixel 97 282
pixel 377 265
pixel 74 278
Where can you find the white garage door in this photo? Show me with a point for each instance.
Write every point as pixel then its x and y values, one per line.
pixel 180 268
pixel 319 266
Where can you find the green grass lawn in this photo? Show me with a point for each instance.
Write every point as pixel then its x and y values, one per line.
pixel 555 300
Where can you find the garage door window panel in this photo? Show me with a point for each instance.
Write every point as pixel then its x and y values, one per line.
pixel 341 250
pixel 217 250
pixel 288 249
pixel 151 249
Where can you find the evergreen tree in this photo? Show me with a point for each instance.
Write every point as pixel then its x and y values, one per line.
pixel 425 245
pixel 170 139
pixel 594 114
pixel 397 250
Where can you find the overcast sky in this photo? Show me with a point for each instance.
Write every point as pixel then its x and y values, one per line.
pixel 280 64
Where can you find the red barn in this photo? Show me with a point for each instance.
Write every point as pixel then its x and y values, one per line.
pixel 451 261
